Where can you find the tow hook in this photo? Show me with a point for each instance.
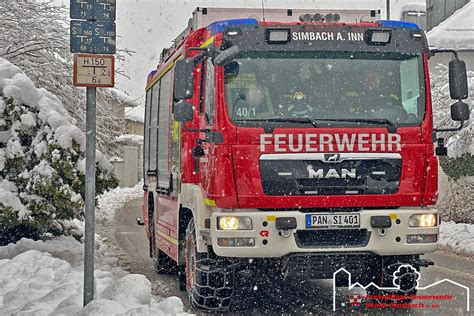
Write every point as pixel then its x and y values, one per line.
pixel 382 223
pixel 285 225
pixel 382 232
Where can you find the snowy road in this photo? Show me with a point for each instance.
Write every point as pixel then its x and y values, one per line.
pixel 310 297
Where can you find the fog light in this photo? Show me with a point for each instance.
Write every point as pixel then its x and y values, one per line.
pixel 244 242
pixel 234 223
pixel 423 220
pixel 236 242
pixel 422 239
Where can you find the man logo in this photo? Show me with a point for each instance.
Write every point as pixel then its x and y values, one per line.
pixel 331 173
pixel 332 157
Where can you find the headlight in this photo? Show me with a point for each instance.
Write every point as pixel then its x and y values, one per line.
pixel 234 223
pixel 423 220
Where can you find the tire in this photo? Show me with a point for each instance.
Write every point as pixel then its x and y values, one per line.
pixel 209 279
pixel 407 283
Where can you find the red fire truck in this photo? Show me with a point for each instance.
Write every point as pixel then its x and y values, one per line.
pixel 298 145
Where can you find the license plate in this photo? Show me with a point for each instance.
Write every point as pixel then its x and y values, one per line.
pixel 332 220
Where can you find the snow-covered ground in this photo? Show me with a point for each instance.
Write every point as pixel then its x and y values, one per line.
pixel 458 238
pixel 115 199
pixel 42 278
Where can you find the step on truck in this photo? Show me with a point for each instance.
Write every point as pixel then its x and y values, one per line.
pixel 297 144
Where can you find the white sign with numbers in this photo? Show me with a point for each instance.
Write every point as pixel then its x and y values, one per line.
pixel 94 70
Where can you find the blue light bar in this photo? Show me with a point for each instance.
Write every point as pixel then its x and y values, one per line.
pixel 395 23
pixel 220 26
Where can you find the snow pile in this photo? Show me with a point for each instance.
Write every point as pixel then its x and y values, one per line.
pixel 42 278
pixel 457 237
pixel 136 114
pixel 115 199
pixel 131 139
pixel 455 32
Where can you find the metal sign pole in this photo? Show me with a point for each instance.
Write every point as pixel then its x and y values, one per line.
pixel 89 234
pixel 92 32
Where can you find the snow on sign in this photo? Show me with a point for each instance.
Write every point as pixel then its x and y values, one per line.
pixel 93 70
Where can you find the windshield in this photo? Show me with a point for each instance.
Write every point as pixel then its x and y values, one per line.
pixel 342 88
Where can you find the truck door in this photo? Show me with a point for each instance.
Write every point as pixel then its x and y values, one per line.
pixel 207 101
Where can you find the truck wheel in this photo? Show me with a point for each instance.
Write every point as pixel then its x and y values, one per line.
pixel 209 279
pixel 406 279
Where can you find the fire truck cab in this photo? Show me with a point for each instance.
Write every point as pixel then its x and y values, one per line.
pixel 298 147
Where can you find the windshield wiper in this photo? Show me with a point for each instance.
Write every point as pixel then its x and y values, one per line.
pixel 391 126
pixel 283 120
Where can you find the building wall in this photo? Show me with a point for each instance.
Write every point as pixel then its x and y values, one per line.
pixel 135 128
pixel 439 10
pixel 129 169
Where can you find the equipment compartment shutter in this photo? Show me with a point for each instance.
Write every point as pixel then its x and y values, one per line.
pixel 146 147
pixel 163 131
pixel 154 126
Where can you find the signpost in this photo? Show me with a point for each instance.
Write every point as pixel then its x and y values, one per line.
pixel 92 37
pixel 93 10
pixel 92 33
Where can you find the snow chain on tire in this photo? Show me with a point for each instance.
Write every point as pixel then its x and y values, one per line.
pixel 209 279
pixel 387 271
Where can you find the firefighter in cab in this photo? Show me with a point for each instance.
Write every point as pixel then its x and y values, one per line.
pixel 300 104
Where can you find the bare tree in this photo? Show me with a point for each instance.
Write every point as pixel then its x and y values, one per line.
pixel 35 37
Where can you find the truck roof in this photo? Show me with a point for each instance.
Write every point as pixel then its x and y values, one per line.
pixel 203 17
pixel 212 20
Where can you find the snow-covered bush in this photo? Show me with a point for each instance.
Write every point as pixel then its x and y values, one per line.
pixel 458 204
pixel 41 160
pixel 35 37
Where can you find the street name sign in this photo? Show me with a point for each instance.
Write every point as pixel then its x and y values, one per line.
pixel 92 37
pixel 94 70
pixel 93 10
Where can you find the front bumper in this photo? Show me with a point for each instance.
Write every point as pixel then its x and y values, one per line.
pixel 270 242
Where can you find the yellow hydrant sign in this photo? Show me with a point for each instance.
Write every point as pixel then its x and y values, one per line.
pixel 94 70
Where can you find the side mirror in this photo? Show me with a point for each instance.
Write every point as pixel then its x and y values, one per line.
pixel 184 79
pixel 183 111
pixel 226 56
pixel 460 111
pixel 458 79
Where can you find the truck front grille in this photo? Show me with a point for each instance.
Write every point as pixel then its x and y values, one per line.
pixel 375 174
pixel 331 238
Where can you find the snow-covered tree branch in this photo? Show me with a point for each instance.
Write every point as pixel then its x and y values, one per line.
pixel 35 37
